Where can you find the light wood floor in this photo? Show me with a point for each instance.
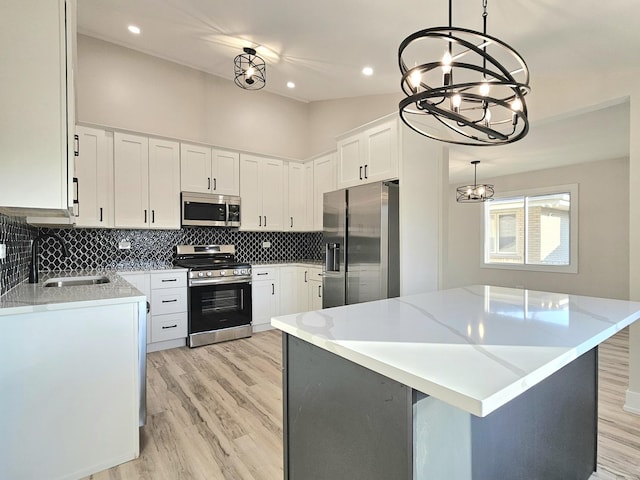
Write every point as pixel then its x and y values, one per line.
pixel 215 413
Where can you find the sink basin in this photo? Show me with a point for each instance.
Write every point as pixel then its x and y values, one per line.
pixel 75 281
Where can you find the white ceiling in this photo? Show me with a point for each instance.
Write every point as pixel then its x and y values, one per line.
pixel 323 46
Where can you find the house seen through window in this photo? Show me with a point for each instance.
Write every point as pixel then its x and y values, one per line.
pixel 532 230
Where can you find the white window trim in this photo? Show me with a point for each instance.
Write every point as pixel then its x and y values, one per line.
pixel 572 188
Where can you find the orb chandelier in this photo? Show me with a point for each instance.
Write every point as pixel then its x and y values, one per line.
pixel 469 82
pixel 250 70
pixel 475 193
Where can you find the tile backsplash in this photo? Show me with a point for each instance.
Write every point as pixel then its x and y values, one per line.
pixel 98 248
pixel 17 236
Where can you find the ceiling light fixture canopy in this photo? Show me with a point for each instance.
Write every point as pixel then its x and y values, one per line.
pixel 250 70
pixel 469 82
pixel 475 193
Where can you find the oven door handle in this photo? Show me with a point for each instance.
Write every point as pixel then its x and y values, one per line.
pixel 197 282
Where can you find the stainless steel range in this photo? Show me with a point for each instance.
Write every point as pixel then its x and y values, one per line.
pixel 219 293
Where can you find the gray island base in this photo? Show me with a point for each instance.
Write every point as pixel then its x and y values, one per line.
pixel 345 421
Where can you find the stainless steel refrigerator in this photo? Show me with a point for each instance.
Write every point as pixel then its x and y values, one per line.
pixel 361 244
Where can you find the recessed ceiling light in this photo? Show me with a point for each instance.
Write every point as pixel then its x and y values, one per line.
pixel 368 71
pixel 291 85
pixel 133 29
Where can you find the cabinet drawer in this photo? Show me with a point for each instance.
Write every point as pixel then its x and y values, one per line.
pixel 168 300
pixel 168 280
pixel 168 327
pixel 263 273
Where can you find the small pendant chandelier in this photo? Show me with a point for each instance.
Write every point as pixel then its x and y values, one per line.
pixel 485 103
pixel 250 70
pixel 475 193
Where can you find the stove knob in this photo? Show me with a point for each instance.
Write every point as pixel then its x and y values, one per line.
pixel 200 274
pixel 208 274
pixel 223 273
pixel 236 272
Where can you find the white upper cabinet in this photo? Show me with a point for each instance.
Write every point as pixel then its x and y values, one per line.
pixel 207 170
pixel 164 184
pixel 195 168
pixel 94 173
pixel 299 202
pixel 146 182
pixel 262 193
pixel 324 180
pixel 37 123
pixel 225 171
pixel 369 154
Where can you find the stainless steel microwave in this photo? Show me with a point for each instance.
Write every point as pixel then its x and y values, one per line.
pixel 210 210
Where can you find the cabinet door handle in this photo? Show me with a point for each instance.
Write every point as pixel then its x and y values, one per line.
pixel 319 291
pixel 305 276
pixel 215 184
pixel 76 197
pixel 170 301
pixel 366 175
pixel 170 326
pixel 169 280
pixel 76 146
pixel 360 172
pixel 265 220
pixel 273 289
pixel 260 220
pixel 145 215
pixel 153 216
pixel 101 214
pixel 291 222
pixel 208 183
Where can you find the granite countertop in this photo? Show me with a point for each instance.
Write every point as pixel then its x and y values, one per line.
pixel 475 348
pixel 279 263
pixel 35 297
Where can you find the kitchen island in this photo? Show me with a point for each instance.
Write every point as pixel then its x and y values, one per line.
pixel 72 376
pixel 472 383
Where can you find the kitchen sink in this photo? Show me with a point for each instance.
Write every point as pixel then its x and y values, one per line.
pixel 75 281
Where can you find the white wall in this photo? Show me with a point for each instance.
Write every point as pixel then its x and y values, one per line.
pixel 122 88
pixel 603 233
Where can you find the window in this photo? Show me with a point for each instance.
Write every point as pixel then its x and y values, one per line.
pixel 532 230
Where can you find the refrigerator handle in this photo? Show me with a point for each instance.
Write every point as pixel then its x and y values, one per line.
pixel 332 257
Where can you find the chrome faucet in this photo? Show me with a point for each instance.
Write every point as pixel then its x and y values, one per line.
pixel 34 267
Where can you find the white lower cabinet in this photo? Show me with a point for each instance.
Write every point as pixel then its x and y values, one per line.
pixel 265 292
pixel 314 290
pixel 283 290
pixel 166 292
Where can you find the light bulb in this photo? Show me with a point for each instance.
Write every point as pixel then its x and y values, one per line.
pixel 415 79
pixel 484 89
pixel 446 62
pixel 456 101
pixel 487 117
pixel 469 192
pixel 480 191
pixel 516 105
pixel 250 72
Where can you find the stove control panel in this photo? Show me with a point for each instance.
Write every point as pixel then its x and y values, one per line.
pixel 226 272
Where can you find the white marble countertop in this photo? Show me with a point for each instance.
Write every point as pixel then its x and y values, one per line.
pixel 35 297
pixel 475 347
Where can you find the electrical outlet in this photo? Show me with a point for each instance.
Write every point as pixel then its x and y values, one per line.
pixel 266 244
pixel 124 244
pixel 3 251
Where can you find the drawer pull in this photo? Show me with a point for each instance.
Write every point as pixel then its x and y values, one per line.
pixel 264 273
pixel 170 301
pixel 170 326
pixel 169 280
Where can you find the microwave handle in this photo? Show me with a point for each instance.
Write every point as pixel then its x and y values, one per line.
pixel 226 213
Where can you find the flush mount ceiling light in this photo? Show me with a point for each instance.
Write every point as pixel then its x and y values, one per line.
pixel 474 193
pixel 469 82
pixel 250 70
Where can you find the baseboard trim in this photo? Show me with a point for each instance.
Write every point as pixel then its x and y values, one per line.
pixel 632 402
